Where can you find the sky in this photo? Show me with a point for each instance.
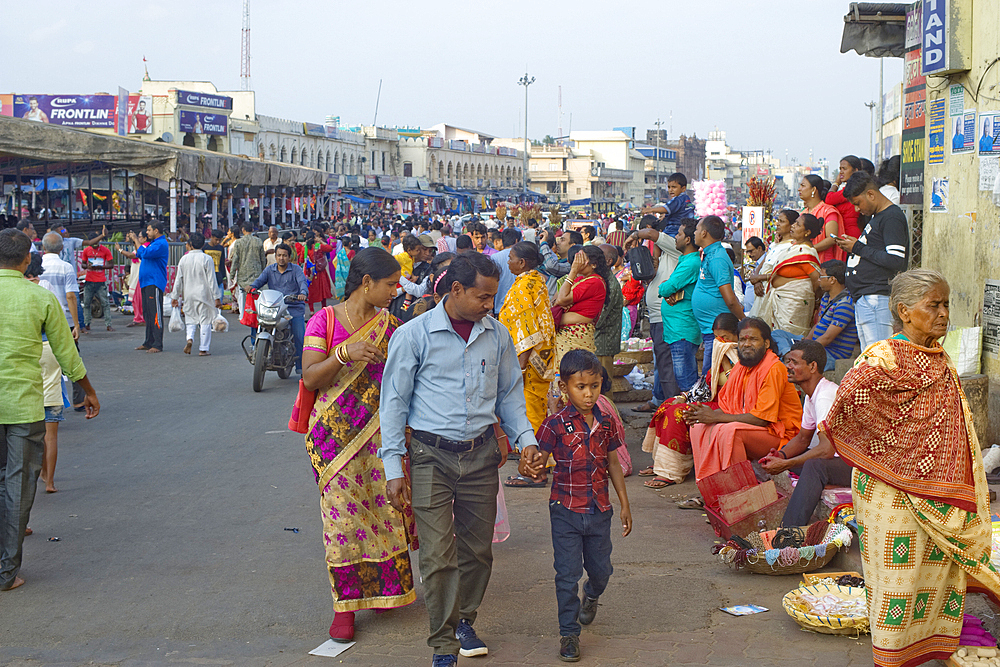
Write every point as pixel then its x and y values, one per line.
pixel 770 75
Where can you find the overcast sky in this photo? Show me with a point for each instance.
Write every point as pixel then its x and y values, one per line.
pixel 768 73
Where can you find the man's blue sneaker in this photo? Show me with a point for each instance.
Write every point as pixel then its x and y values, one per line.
pixel 472 645
pixel 444 660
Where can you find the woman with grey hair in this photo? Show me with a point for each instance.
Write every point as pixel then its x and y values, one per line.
pixel 902 421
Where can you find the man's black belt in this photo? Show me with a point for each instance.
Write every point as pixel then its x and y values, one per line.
pixel 448 445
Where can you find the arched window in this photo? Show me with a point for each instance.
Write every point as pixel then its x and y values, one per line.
pixel 189 139
pixel 295 154
pixel 284 154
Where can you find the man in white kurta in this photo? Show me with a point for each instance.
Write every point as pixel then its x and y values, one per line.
pixel 195 286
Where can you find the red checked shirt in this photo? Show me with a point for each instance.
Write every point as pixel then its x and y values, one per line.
pixel 580 478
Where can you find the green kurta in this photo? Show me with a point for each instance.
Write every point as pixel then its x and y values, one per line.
pixel 26 312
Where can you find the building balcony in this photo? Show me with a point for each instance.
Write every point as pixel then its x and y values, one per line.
pixel 614 175
pixel 548 176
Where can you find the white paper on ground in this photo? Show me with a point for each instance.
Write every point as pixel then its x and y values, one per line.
pixel 330 649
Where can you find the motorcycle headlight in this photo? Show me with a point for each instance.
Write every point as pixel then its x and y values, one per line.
pixel 267 311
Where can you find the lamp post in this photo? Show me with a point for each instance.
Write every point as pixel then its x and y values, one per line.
pixel 525 81
pixel 871 130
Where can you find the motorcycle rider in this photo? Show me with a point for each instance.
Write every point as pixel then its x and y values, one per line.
pixel 288 279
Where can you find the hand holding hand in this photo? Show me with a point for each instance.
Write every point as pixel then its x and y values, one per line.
pixel 532 462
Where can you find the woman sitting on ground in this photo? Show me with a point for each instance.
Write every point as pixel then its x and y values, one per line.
pixel 668 438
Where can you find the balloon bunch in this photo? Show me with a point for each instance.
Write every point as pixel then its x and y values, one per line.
pixel 710 198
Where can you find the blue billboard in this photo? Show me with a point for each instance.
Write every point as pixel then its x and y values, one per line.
pixel 67 110
pixel 203 123
pixel 191 99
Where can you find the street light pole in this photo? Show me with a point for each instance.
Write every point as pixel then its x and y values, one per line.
pixel 871 130
pixel 658 124
pixel 525 81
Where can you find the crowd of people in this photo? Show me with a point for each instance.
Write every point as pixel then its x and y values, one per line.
pixel 518 326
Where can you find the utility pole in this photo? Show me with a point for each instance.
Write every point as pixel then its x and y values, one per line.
pixel 871 131
pixel 658 124
pixel 245 48
pixel 525 81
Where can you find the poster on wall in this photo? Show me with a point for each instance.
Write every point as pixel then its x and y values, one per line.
pixel 140 114
pixel 956 97
pixel 991 318
pixel 203 123
pixel 989 133
pixel 911 184
pixel 989 167
pixel 67 110
pixel 963 138
pixel 6 105
pixel 935 132
pixel 939 195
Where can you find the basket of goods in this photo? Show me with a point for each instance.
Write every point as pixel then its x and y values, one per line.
pixel 976 646
pixel 786 550
pixel 622 367
pixel 829 608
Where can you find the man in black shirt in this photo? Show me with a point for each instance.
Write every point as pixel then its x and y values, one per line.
pixel 875 258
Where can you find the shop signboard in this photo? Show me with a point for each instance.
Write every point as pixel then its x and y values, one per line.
pixel 333 183
pixel 371 181
pixel 934 36
pixel 388 183
pixel 458 145
pixel 354 182
pixel 188 98
pixel 435 142
pixel 423 184
pixel 121 112
pixel 67 110
pixel 6 105
pixel 203 123
pixel 753 221
pixel 331 131
pixel 911 186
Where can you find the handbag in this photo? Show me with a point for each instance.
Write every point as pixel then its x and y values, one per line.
pixel 641 263
pixel 306 398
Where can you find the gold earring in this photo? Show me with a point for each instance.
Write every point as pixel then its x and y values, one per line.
pixel 366 290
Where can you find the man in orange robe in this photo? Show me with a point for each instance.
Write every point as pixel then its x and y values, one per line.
pixel 759 409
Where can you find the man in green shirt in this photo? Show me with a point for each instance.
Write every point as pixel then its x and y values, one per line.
pixel 680 329
pixel 30 311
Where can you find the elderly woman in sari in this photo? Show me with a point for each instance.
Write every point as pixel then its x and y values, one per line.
pixel 528 317
pixel 790 298
pixel 343 360
pixel 901 419
pixel 668 437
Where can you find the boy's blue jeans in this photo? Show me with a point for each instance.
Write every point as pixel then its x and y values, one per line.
pixel 579 541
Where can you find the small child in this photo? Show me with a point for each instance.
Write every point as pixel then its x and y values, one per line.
pixel 583 443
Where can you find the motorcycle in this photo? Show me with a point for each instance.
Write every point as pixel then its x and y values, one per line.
pixel 275 347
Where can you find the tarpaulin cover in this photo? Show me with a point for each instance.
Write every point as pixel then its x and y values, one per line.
pixel 867 31
pixel 51 143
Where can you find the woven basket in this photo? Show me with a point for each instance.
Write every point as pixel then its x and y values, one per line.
pixel 830 625
pixel 621 370
pixel 761 566
pixel 638 356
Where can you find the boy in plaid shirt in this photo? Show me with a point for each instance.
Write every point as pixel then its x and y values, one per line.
pixel 583 443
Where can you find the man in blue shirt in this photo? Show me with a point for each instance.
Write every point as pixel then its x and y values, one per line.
pixel 453 352
pixel 509 236
pixel 680 329
pixel 152 283
pixel 288 279
pixel 678 208
pixel 714 294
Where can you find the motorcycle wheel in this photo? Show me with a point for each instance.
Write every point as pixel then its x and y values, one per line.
pixel 261 355
pixel 286 371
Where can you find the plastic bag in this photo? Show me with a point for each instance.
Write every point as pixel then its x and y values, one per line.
pixel 220 324
pixel 176 321
pixel 965 347
pixel 501 527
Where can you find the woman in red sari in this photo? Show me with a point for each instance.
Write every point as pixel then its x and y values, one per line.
pixel 667 437
pixel 343 359
pixel 318 263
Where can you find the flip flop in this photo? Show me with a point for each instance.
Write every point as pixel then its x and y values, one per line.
pixel 692 504
pixel 646 472
pixel 658 483
pixel 519 482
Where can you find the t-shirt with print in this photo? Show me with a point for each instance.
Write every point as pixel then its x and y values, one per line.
pixel 816 407
pixel 99 256
pixel 218 255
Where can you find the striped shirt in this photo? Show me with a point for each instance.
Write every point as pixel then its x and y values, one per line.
pixel 840 314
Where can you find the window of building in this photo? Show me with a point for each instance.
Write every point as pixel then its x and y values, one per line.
pixel 578 191
pixel 407 169
pixel 553 166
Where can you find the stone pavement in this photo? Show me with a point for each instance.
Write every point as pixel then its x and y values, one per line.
pixel 171 510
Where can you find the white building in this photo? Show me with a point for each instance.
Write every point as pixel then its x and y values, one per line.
pixel 457 157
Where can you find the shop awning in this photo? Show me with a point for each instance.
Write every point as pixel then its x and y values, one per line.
pixel 875 29
pixel 358 200
pixel 424 194
pixel 386 194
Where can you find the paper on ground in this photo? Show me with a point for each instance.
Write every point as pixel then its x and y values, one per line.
pixel 330 649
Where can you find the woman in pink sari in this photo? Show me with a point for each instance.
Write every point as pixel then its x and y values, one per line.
pixel 133 282
pixel 343 359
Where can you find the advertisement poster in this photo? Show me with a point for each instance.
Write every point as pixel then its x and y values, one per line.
pixel 911 185
pixel 203 123
pixel 939 195
pixel 963 139
pixel 935 132
pixel 6 105
pixel 204 100
pixel 989 133
pixel 989 167
pixel 121 112
pixel 140 114
pixel 753 221
pixel 956 96
pixel 991 318
pixel 67 110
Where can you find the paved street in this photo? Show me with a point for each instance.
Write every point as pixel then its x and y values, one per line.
pixel 171 513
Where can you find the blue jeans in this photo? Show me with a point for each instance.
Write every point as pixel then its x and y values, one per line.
pixel 579 541
pixel 299 334
pixel 784 340
pixel 706 360
pixel 831 363
pixel 873 317
pixel 685 364
pixel 664 383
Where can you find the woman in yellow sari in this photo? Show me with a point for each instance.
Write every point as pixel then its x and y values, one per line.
pixel 343 359
pixel 528 317
pixel 920 495
pixel 790 299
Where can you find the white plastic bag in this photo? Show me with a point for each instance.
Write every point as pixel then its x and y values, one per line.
pixel 965 347
pixel 220 324
pixel 168 309
pixel 501 527
pixel 176 321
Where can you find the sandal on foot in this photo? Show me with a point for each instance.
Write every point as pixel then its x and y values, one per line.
pixel 204 354
pixel 658 483
pixel 692 504
pixel 517 481
pixel 646 472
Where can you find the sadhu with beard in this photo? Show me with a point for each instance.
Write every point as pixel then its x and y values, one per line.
pixel 759 409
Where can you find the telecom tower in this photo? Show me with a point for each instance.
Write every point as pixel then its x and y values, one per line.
pixel 245 48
